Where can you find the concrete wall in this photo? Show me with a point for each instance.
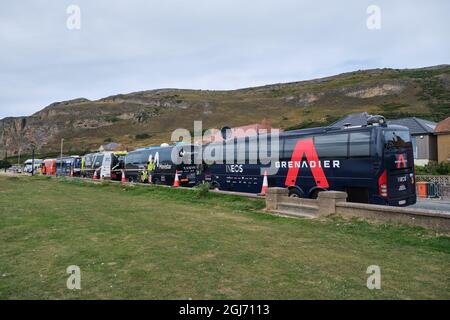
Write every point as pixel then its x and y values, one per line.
pixel 334 203
pixel 417 217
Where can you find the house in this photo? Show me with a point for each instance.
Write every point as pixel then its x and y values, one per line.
pixel 423 138
pixel 442 132
pixel 354 119
pixel 422 134
pixel 109 147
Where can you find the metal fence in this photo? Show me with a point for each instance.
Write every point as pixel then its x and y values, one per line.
pixel 438 187
pixel 441 180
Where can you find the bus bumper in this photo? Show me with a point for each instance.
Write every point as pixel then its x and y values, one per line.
pixel 401 202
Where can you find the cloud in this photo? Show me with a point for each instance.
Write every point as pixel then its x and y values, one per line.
pixel 126 46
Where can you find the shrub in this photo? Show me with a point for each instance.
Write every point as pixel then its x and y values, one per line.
pixel 202 190
pixel 142 136
pixel 434 168
pixel 4 164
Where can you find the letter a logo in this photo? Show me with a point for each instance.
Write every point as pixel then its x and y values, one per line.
pixel 306 148
pixel 401 161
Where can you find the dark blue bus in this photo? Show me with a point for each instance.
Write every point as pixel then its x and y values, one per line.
pixel 68 165
pixel 189 174
pixel 372 163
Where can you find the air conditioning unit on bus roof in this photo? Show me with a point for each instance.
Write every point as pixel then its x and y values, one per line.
pixel 376 120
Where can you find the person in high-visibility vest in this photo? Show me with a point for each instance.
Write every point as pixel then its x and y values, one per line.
pixel 150 169
pixel 144 174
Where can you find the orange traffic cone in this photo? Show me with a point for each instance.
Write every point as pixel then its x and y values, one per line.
pixel 71 173
pixel 150 178
pixel 176 183
pixel 124 178
pixel 265 184
pixel 94 177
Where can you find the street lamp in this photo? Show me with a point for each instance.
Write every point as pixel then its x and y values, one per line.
pixel 61 163
pixel 33 147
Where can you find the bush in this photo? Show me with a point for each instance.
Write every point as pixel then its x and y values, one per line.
pixel 434 168
pixel 4 164
pixel 202 190
pixel 142 136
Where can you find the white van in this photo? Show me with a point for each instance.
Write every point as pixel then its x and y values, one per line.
pixel 28 165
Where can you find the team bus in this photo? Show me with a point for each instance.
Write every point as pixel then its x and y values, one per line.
pixel 105 165
pixel 29 168
pixel 372 163
pixel 68 165
pixel 189 174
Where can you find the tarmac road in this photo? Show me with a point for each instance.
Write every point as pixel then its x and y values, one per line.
pixel 432 204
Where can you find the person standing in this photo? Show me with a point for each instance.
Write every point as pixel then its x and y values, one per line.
pixel 150 169
pixel 144 176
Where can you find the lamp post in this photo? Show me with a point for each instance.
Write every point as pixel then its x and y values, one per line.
pixel 61 163
pixel 32 159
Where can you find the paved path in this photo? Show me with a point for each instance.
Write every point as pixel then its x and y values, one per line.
pixel 432 204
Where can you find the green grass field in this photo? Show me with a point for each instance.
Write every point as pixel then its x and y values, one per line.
pixel 160 243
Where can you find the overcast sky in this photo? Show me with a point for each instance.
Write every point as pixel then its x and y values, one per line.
pixel 133 45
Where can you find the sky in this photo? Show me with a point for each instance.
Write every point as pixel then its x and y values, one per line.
pixel 50 51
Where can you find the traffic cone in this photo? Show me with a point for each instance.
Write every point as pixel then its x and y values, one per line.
pixel 71 173
pixel 124 179
pixel 150 178
pixel 176 183
pixel 94 177
pixel 265 184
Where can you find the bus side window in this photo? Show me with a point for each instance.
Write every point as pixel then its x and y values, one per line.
pixel 359 144
pixel 332 145
pixel 289 145
pixel 252 150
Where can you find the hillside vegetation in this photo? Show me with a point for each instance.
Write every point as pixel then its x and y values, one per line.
pixel 148 117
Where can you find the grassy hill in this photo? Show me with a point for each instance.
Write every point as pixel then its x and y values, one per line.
pixel 148 117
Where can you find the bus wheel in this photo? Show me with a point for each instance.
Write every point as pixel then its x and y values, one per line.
pixel 215 186
pixel 295 193
pixel 315 194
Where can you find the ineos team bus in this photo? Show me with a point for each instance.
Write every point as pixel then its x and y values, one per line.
pixel 189 174
pixel 372 163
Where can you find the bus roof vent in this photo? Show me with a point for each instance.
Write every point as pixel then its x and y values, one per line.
pixel 376 120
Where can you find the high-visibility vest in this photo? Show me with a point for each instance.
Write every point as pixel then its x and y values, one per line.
pixel 151 167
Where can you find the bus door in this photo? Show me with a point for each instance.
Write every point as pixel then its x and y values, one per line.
pixel 105 170
pixel 397 181
pixel 188 170
pixel 357 172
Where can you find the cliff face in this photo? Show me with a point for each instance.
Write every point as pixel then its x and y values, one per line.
pixel 144 118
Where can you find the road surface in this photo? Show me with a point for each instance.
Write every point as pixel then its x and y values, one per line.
pixel 432 204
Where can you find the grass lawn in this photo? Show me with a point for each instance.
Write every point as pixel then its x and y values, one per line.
pixel 158 243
